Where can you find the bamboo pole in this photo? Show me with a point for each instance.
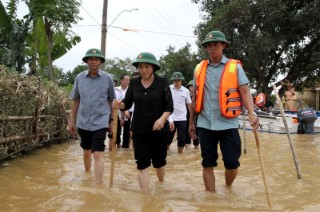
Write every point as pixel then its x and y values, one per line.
pixel 295 158
pixel 114 146
pixel 261 162
pixel 262 169
pixel 244 131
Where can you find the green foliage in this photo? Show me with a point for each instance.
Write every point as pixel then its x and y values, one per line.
pixel 40 43
pixel 118 66
pixel 13 34
pixel 64 41
pixel 181 60
pixel 5 21
pixel 67 88
pixel 274 39
pixel 60 14
pixel 68 78
pixel 57 17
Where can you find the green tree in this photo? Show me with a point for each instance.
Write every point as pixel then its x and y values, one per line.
pixel 182 60
pixel 274 39
pixel 115 66
pixel 13 35
pixel 119 66
pixel 70 76
pixel 55 17
pixel 40 43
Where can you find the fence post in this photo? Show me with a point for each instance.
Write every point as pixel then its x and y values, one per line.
pixel 36 119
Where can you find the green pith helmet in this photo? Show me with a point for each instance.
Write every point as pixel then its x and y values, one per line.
pixel 93 53
pixel 177 76
pixel 191 82
pixel 146 57
pixel 215 36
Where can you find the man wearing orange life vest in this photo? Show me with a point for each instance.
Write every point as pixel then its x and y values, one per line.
pixel 221 87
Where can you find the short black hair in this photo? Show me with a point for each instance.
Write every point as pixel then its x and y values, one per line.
pixel 123 75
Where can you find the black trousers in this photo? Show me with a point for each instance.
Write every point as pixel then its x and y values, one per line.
pixel 125 134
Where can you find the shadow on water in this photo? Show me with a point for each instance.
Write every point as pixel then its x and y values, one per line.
pixel 53 179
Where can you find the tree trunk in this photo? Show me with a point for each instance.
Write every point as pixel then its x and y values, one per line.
pixel 49 34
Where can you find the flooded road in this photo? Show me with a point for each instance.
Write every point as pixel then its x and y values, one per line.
pixel 53 179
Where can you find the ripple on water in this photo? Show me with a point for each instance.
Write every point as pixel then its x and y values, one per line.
pixel 53 179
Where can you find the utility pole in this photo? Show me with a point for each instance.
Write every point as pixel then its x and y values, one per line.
pixel 104 30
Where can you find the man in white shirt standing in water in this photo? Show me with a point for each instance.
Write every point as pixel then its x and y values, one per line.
pixel 181 98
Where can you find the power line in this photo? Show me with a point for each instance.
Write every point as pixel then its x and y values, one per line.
pixel 142 30
pixel 136 29
pixel 164 15
pixel 124 42
pixel 87 25
pixel 90 15
pixel 146 9
pixel 100 6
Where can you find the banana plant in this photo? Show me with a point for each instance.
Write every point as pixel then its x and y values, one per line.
pixel 54 19
pixel 14 32
pixel 40 43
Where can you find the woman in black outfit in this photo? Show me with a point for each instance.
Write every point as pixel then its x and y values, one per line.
pixel 153 104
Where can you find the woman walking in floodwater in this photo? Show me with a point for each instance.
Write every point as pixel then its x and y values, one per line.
pixel 152 106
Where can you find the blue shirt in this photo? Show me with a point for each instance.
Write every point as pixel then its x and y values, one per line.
pixel 210 116
pixel 94 93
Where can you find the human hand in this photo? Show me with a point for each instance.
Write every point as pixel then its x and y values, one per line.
pixel 158 125
pixel 72 128
pixel 171 125
pixel 192 131
pixel 127 114
pixel 254 121
pixel 116 103
pixel 110 132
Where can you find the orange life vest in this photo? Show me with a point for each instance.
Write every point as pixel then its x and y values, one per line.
pixel 200 77
pixel 258 101
pixel 229 96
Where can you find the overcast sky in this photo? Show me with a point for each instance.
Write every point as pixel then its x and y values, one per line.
pixel 158 24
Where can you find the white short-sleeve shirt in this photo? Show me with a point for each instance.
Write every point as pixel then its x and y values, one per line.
pixel 180 97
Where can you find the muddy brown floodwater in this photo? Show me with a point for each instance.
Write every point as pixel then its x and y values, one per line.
pixel 53 179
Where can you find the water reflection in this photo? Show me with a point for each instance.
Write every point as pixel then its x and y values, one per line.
pixel 53 179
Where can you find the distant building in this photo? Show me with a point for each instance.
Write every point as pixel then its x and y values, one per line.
pixel 311 97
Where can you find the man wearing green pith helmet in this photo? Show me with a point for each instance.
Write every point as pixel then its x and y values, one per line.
pixel 153 104
pixel 178 119
pixel 92 95
pixel 190 87
pixel 221 89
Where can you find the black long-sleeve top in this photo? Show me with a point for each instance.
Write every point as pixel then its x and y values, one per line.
pixel 149 103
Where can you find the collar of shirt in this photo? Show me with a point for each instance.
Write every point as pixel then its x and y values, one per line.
pixel 99 72
pixel 119 88
pixel 174 87
pixel 223 60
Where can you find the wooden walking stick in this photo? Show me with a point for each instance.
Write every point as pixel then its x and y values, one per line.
pixel 114 144
pixel 261 163
pixel 244 131
pixel 296 162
